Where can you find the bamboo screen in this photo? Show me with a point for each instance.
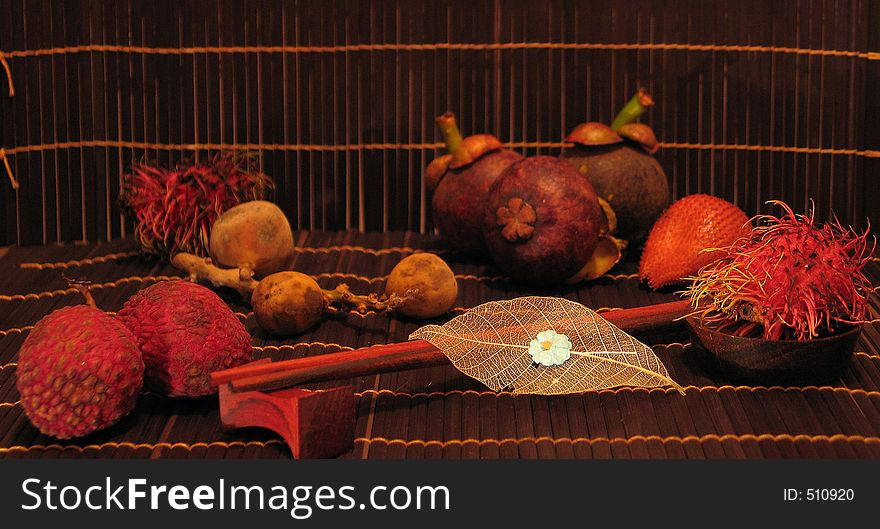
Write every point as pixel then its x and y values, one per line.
pixel 755 99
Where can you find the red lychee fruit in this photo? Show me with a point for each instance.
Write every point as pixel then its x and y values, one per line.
pixel 676 246
pixel 185 331
pixel 79 370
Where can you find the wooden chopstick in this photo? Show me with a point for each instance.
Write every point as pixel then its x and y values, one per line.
pixel 411 354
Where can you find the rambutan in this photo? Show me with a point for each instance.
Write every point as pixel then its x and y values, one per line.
pixel 791 278
pixel 174 209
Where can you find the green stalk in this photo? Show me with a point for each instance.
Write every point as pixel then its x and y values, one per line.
pixel 449 129
pixel 633 109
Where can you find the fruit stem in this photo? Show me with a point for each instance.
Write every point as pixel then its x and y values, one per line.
pixel 82 287
pixel 342 297
pixel 449 129
pixel 203 269
pixel 633 109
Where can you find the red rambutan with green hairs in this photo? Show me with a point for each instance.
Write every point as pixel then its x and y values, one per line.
pixel 175 209
pixel 792 278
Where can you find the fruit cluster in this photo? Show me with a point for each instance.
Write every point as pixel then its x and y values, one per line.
pixel 174 209
pixel 81 369
pixel 250 247
pixel 547 220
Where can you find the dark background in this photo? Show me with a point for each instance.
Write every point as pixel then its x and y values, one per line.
pixel 763 100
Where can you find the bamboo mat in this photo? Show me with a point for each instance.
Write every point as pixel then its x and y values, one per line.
pixel 755 99
pixel 437 412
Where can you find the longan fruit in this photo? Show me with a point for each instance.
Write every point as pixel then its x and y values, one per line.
pixel 430 282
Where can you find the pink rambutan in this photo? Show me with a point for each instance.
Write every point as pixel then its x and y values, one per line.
pixel 792 278
pixel 175 209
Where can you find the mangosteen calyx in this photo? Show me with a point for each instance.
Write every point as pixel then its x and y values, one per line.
pixel 464 151
pixel 518 218
pixel 593 133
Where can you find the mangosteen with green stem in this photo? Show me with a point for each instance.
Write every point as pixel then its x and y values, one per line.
pixel 618 162
pixel 459 183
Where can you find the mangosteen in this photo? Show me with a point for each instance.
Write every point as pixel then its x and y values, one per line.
pixel 618 162
pixel 459 182
pixel 542 220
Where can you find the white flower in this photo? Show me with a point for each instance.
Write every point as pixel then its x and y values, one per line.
pixel 550 348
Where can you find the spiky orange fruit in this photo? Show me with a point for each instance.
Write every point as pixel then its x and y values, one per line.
pixel 676 244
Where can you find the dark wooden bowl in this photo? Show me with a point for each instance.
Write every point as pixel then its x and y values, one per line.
pixel 776 362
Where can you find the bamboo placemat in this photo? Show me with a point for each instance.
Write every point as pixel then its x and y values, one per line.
pixel 437 412
pixel 756 100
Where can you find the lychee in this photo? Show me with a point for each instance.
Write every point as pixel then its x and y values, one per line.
pixel 79 370
pixel 185 331
pixel 680 241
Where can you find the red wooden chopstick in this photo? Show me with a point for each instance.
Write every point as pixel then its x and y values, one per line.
pixel 410 355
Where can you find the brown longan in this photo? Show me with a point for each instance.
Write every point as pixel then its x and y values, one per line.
pixel 428 284
pixel 287 303
pixel 253 236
